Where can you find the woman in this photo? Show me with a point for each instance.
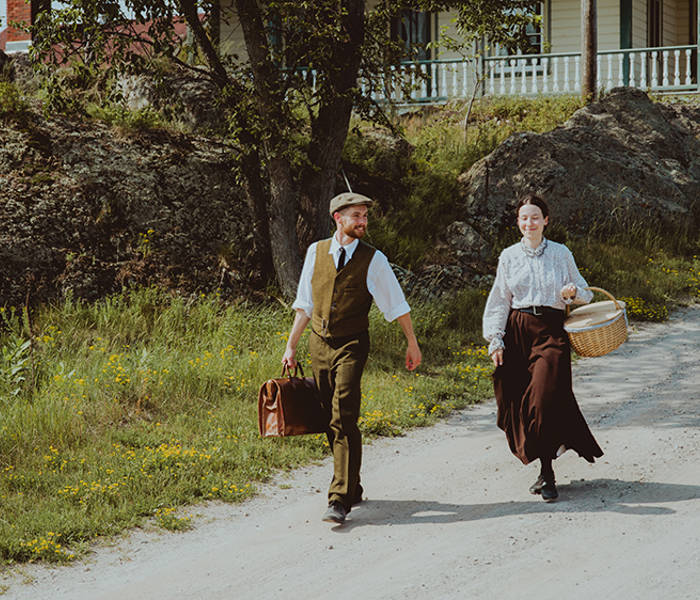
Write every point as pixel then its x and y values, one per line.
pixel 524 324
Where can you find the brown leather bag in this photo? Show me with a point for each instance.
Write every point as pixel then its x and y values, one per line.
pixel 290 405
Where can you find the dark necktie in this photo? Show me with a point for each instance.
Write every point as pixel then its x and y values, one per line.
pixel 341 259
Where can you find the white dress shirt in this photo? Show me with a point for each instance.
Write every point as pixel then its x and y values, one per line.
pixel 381 281
pixel 530 277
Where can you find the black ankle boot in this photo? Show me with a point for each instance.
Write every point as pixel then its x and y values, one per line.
pixel 549 491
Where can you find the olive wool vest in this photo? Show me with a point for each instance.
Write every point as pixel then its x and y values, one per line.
pixel 341 298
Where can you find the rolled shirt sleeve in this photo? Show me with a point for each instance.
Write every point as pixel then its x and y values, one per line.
pixel 304 299
pixel 385 288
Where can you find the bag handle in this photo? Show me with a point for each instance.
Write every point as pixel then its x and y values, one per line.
pixel 286 370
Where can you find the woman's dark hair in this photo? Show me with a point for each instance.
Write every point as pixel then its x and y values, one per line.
pixel 535 200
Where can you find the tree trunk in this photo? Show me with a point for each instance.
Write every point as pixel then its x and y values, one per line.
pixel 330 127
pixel 331 130
pixel 257 200
pixel 589 50
pixel 256 192
pixel 282 209
pixel 283 238
pixel 215 24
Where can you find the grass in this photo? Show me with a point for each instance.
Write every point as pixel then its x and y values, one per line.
pixel 145 119
pixel 442 143
pixel 13 106
pixel 135 406
pixel 649 280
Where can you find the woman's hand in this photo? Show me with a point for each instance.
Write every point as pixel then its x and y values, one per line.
pixel 568 292
pixel 497 357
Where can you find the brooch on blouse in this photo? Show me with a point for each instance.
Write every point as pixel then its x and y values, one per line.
pixel 532 252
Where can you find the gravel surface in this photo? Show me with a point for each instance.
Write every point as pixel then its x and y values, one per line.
pixel 448 513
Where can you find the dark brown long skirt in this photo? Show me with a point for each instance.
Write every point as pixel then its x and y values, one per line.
pixel 536 405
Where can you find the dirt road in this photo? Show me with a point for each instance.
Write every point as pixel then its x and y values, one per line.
pixel 449 514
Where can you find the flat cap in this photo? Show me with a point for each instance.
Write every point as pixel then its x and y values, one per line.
pixel 348 199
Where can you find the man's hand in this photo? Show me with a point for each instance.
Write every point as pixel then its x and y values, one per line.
pixel 300 322
pixel 413 356
pixel 289 360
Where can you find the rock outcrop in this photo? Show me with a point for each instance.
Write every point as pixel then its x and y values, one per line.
pixel 86 210
pixel 615 163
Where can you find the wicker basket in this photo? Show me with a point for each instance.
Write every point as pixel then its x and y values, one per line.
pixel 598 328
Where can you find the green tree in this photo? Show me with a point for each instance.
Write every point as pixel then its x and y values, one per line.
pixel 289 135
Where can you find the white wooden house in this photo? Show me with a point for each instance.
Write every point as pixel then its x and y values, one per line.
pixel 650 44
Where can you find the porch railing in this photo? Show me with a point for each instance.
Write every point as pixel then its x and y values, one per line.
pixel 667 69
pixel 655 69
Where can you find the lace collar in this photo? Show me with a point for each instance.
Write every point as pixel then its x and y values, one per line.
pixel 532 252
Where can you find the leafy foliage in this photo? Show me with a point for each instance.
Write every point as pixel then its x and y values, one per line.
pixel 286 103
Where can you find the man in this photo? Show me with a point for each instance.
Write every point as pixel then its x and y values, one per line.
pixel 340 277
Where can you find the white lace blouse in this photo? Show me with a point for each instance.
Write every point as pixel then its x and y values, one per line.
pixel 530 277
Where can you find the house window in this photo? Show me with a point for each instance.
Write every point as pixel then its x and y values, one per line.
pixel 534 38
pixel 655 16
pixel 534 34
pixel 413 28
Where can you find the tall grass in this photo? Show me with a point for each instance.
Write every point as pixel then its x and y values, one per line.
pixel 446 146
pixel 12 105
pixel 138 404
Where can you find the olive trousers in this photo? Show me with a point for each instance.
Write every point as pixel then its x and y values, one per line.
pixel 337 365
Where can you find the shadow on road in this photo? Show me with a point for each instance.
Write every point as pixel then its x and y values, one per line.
pixel 597 495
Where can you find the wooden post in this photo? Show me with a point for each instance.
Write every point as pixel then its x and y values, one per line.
pixel 589 50
pixel 626 38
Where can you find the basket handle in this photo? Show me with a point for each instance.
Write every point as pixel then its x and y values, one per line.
pixel 608 294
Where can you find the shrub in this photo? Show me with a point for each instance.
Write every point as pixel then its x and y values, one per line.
pixel 144 119
pixel 12 105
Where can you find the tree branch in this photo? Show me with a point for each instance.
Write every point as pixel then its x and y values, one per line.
pixel 219 74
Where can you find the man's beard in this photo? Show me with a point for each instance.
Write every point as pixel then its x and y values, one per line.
pixel 355 232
